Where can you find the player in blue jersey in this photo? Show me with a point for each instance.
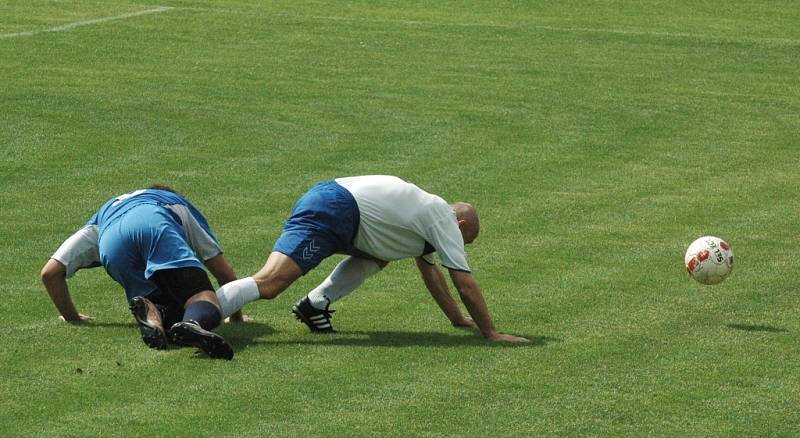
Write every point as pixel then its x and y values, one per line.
pixel 151 241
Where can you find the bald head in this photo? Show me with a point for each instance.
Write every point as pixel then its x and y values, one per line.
pixel 468 222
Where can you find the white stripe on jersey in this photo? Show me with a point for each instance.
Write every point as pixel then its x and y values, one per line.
pixel 203 245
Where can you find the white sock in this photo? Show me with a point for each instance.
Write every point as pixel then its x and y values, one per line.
pixel 234 295
pixel 348 275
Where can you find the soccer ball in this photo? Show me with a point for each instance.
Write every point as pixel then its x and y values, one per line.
pixel 709 260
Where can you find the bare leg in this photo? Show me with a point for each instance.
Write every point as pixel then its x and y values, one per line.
pixel 278 273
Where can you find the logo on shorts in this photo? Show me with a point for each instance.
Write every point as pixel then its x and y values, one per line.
pixel 310 250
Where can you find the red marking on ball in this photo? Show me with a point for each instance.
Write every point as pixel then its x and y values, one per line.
pixel 702 255
pixel 724 245
pixel 692 264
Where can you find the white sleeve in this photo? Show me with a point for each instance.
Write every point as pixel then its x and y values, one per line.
pixel 79 251
pixel 446 238
pixel 202 243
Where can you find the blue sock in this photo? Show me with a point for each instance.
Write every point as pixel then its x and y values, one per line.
pixel 203 313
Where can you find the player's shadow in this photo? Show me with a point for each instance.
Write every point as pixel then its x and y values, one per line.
pixel 408 339
pixel 243 334
pixel 237 333
pixel 757 328
pixel 96 324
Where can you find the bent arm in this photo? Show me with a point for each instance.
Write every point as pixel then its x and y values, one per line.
pixel 224 273
pixel 220 269
pixel 437 286
pixel 54 277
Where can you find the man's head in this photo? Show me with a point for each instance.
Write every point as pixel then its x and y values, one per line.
pixel 467 218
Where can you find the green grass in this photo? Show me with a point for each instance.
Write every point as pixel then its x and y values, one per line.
pixel 597 139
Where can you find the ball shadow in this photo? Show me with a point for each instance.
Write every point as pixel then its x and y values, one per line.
pixel 756 328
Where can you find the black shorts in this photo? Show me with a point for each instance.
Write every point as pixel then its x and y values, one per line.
pixel 175 287
pixel 182 283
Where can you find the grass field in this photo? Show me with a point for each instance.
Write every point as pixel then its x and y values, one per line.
pixel 597 139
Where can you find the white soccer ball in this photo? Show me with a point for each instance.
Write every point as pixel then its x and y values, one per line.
pixel 709 260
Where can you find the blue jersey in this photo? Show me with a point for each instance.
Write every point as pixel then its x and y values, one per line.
pixel 139 233
pixel 118 206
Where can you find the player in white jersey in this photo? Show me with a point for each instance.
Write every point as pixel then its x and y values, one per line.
pixel 375 220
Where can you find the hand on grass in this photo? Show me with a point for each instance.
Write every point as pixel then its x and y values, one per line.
pixel 239 317
pixel 464 322
pixel 81 318
pixel 500 337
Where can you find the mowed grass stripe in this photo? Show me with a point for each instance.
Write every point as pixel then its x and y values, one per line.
pixel 76 24
pixel 712 38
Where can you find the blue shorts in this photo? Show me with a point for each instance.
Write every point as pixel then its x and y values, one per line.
pixel 324 222
pixel 145 239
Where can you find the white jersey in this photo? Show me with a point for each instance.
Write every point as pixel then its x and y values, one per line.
pixel 79 251
pixel 399 220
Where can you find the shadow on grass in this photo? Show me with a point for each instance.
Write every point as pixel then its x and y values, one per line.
pixel 95 324
pixel 246 334
pixel 408 339
pixel 243 334
pixel 240 334
pixel 757 328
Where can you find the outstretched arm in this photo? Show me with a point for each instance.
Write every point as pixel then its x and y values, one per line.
pixel 472 298
pixel 224 273
pixel 437 286
pixel 54 277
